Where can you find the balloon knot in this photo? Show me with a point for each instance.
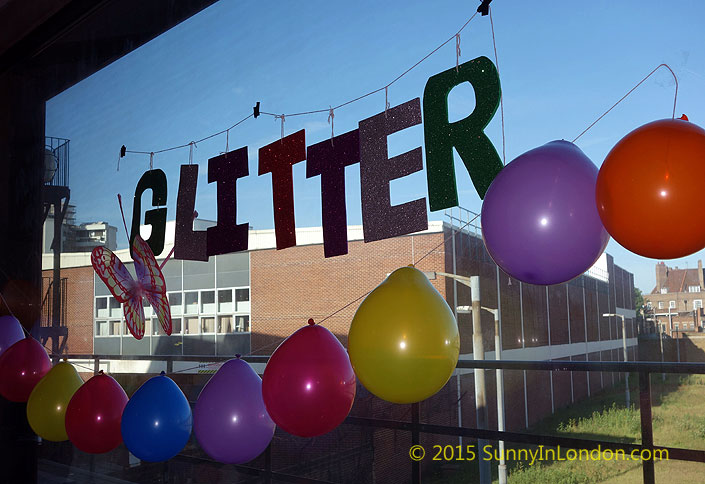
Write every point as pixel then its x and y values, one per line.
pixel 101 372
pixel 163 373
pixel 238 356
pixel 684 118
pixel 311 321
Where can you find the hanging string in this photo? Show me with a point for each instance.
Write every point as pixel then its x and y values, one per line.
pixel 675 98
pixel 457 51
pixel 192 144
pixel 384 88
pixel 501 96
pixel 151 161
pixel 386 99
pixel 282 117
pixel 196 142
pixel 331 116
pixel 227 140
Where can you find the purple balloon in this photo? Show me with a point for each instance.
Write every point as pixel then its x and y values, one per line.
pixel 539 217
pixel 10 332
pixel 229 419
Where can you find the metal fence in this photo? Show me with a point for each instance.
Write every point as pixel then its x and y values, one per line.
pixel 266 473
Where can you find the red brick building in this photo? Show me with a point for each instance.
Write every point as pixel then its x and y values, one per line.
pixel 676 303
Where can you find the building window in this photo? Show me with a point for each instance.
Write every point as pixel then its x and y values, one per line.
pixel 175 303
pixel 242 298
pixel 102 328
pixel 675 326
pixel 115 309
pixel 225 302
pixel 208 302
pixel 660 304
pixel 191 325
pixel 191 302
pixel 671 304
pixel 664 290
pixel 208 324
pixel 225 324
pixel 649 305
pixel 115 327
pixel 692 326
pixel 693 288
pixel 697 303
pixel 242 324
pixel 101 307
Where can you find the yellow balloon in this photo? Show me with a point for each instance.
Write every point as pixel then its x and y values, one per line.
pixel 403 340
pixel 46 407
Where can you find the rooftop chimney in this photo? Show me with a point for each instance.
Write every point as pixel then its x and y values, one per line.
pixel 661 274
pixel 700 275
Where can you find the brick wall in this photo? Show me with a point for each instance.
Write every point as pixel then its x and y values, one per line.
pixel 79 309
pixel 290 286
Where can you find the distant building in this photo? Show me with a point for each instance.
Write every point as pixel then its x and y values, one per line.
pixel 676 303
pixel 78 238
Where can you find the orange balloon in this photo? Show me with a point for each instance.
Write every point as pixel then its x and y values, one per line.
pixel 649 189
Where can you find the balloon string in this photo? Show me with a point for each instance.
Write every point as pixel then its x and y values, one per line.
pixel 501 95
pixel 10 310
pixel 675 98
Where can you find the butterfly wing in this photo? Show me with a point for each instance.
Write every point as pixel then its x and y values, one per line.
pixel 160 306
pixel 113 273
pixel 152 281
pixel 134 316
pixel 148 272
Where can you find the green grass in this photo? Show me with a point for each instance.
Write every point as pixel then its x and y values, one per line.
pixel 678 421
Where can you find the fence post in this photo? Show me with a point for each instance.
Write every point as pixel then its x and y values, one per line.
pixel 647 436
pixel 415 465
pixel 268 464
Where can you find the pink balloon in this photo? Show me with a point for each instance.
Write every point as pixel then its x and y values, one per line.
pixel 308 385
pixel 22 365
pixel 94 413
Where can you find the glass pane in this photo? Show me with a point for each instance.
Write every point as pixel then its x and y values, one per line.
pixel 175 326
pixel 208 325
pixel 242 324
pixel 148 325
pixel 191 302
pixel 175 303
pixel 102 328
pixel 225 301
pixel 115 327
pixel 225 324
pixel 191 325
pixel 208 302
pixel 101 307
pixel 115 309
pixel 242 296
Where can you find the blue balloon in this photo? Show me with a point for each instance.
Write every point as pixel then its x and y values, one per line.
pixel 156 422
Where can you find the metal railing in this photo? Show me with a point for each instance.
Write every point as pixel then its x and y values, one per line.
pixel 59 147
pixel 415 427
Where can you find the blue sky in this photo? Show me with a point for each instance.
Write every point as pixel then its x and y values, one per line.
pixel 562 64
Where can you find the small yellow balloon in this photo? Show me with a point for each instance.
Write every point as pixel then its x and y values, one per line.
pixel 403 340
pixel 46 407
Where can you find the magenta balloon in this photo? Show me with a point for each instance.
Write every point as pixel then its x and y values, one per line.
pixel 10 332
pixel 229 419
pixel 539 217
pixel 308 384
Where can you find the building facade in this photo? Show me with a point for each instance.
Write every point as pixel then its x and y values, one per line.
pixel 676 302
pixel 249 302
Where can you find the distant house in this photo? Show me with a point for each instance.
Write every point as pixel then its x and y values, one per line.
pixel 676 303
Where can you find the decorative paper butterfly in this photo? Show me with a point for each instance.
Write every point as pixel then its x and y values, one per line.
pixel 150 283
